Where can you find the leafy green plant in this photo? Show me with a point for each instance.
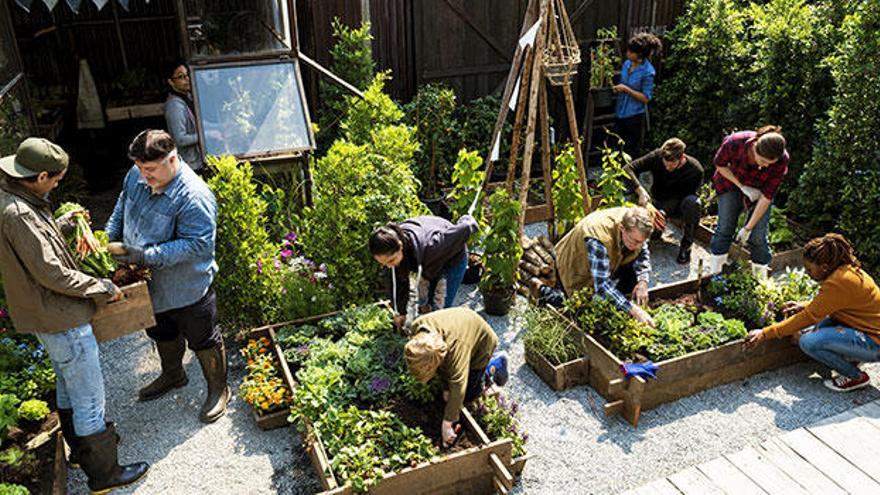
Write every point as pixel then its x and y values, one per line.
pixel 467 180
pixel 352 60
pixel 567 199
pixel 25 368
pixel 33 410
pixel 244 297
pixel 365 180
pixel 780 233
pixel 8 414
pixel 548 336
pixel 501 246
pixel 430 113
pixel 474 124
pixel 499 417
pixel 735 294
pixel 15 456
pixel 603 58
pixel 13 489
pixel 612 183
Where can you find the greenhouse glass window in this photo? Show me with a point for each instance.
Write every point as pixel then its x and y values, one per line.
pixel 219 28
pixel 251 110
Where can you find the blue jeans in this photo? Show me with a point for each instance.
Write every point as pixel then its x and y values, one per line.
pixel 838 346
pixel 79 384
pixel 454 275
pixel 730 205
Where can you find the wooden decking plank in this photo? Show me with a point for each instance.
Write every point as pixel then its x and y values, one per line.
pixel 692 481
pixel 758 467
pixel 856 440
pixel 869 411
pixel 662 486
pixel 729 478
pixel 820 455
pixel 796 467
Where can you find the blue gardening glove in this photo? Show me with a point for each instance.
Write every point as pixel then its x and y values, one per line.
pixel 644 370
pixel 133 256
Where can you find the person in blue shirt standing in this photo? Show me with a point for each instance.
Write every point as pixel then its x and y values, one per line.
pixel 166 217
pixel 635 90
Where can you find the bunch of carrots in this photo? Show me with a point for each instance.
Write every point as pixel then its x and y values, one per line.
pixel 89 248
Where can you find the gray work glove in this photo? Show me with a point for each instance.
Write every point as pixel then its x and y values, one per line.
pixel 753 193
pixel 133 256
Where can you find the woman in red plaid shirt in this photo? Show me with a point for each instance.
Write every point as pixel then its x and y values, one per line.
pixel 749 168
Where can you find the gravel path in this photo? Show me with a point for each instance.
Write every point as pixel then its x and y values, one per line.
pixel 575 448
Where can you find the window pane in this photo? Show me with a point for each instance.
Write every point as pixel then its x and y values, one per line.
pixel 7 57
pixel 251 109
pixel 235 27
pixel 14 122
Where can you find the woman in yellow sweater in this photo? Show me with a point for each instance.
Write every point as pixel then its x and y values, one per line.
pixel 840 327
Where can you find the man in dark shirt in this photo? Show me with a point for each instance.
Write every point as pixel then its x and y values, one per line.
pixel 677 177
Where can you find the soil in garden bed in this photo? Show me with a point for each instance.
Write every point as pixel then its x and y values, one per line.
pixel 37 474
pixel 428 418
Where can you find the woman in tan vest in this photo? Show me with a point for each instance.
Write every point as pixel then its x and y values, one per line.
pixel 605 245
pixel 840 327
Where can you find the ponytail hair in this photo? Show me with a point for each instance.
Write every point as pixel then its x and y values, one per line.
pixel 831 250
pixel 644 45
pixel 387 239
pixel 770 143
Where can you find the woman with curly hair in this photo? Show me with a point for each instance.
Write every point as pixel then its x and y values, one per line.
pixel 840 327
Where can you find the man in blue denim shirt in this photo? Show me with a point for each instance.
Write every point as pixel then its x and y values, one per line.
pixel 166 217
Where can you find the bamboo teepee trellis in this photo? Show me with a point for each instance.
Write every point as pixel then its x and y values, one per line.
pixel 547 51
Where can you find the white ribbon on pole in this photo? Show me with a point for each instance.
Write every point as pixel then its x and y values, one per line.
pixel 25 4
pixel 99 3
pixel 50 4
pixel 514 96
pixel 74 5
pixel 531 34
pixel 496 149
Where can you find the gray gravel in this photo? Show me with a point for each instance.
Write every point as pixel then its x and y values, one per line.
pixel 575 448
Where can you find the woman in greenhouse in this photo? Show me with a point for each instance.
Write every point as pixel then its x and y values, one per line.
pixel 749 168
pixel 457 346
pixel 430 246
pixel 180 114
pixel 635 90
pixel 840 327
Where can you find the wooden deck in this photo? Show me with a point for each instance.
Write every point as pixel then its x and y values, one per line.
pixel 836 456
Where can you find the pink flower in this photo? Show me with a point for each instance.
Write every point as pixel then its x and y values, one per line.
pixel 286 253
pixel 260 267
pixel 3 313
pixel 277 265
pixel 291 237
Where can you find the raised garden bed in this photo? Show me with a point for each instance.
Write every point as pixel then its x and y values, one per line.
pixel 273 415
pixel 682 375
pixel 42 465
pixel 474 464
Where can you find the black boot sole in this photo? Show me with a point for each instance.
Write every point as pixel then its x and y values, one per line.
pixel 178 384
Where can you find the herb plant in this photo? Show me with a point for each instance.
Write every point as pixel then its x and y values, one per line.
pixel 499 417
pixel 568 203
pixel 8 414
pixel 603 59
pixel 33 410
pixel 612 184
pixel 549 336
pixel 467 181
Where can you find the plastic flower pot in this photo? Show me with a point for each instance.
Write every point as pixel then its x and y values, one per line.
pixel 498 302
pixel 474 270
pixel 603 97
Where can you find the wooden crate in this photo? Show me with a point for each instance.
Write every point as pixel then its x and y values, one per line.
pixel 485 468
pixel 566 375
pixel 59 483
pixel 682 376
pixel 134 312
pixel 277 419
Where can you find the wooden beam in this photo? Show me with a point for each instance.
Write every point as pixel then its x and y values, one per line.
pixel 525 79
pixel 546 164
pixel 576 143
pixel 462 13
pixel 330 75
pixel 465 71
pixel 580 10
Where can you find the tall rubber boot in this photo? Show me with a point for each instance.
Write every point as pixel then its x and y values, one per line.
pixel 100 461
pixel 716 263
pixel 684 252
pixel 760 271
pixel 173 376
pixel 65 419
pixel 213 363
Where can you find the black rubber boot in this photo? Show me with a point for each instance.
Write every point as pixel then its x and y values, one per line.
pixel 213 363
pixel 684 253
pixel 173 376
pixel 65 417
pixel 100 461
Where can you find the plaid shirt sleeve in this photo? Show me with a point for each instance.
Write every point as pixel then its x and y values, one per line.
pixel 642 265
pixel 600 267
pixel 775 173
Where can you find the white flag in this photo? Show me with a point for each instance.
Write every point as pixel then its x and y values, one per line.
pixel 99 3
pixel 74 5
pixel 496 150
pixel 514 96
pixel 529 37
pixel 50 4
pixel 25 4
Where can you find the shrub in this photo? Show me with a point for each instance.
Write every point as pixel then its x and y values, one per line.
pixel 430 113
pixel 475 122
pixel 244 298
pixel 467 181
pixel 374 111
pixel 13 489
pixel 501 246
pixel 25 368
pixel 33 410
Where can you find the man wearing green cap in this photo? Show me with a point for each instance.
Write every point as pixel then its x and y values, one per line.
pixel 49 297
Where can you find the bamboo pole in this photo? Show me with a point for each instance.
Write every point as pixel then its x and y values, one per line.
pixel 518 119
pixel 545 163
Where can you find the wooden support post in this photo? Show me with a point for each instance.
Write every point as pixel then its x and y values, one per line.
pixel 545 164
pixel 576 142
pixel 518 119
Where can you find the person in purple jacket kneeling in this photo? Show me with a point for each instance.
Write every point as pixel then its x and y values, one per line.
pixel 430 246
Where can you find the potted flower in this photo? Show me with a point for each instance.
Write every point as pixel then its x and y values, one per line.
pixel 603 60
pixel 501 254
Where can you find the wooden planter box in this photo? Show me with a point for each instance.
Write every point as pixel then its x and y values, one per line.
pixel 793 258
pixel 134 312
pixel 566 375
pixel 682 376
pixel 59 483
pixel 486 468
pixel 277 419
